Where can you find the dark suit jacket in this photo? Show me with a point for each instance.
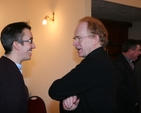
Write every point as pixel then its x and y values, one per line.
pixel 126 93
pixel 13 97
pixel 93 81
pixel 138 81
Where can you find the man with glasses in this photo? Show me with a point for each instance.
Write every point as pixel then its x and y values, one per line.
pixel 91 86
pixel 17 41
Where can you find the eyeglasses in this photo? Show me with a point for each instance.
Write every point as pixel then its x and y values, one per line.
pixel 30 40
pixel 78 38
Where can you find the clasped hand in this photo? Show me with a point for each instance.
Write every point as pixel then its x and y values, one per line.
pixel 70 103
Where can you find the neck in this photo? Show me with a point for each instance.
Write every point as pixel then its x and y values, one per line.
pixel 13 58
pixel 127 55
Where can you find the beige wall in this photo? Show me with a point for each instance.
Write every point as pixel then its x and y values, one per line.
pixel 12 11
pixel 54 55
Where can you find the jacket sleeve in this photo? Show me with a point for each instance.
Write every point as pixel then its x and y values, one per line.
pixel 74 82
pixel 83 77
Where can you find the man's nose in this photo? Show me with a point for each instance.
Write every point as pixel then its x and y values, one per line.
pixel 33 46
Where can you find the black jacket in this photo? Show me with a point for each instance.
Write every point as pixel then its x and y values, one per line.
pixel 138 81
pixel 93 81
pixel 13 96
pixel 126 92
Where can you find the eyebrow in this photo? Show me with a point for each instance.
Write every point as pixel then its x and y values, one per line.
pixel 30 38
pixel 76 37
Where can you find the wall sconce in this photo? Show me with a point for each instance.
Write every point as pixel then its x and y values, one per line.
pixel 46 18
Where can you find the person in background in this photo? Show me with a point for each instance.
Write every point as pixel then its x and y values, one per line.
pixel 90 87
pixel 138 79
pixel 17 41
pixel 127 98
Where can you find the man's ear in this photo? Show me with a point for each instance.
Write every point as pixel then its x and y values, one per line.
pixel 130 51
pixel 16 45
pixel 96 39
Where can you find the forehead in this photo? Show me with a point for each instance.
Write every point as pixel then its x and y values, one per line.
pixel 27 33
pixel 81 29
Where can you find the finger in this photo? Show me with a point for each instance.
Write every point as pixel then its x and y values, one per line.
pixel 68 102
pixel 73 107
pixel 64 106
pixel 74 99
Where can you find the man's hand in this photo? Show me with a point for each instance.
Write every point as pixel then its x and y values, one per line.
pixel 70 103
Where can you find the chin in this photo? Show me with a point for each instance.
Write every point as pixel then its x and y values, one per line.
pixel 28 58
pixel 80 55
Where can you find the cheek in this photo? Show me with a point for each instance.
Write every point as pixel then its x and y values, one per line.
pixel 86 46
pixel 83 45
pixel 26 49
pixel 135 54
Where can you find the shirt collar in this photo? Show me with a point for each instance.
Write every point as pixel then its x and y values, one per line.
pixel 19 66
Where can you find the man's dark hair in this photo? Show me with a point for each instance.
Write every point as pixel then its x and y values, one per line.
pixel 130 44
pixel 12 32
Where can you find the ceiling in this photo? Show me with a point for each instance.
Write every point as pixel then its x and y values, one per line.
pixel 112 11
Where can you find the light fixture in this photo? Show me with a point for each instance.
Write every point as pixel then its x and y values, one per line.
pixel 46 18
